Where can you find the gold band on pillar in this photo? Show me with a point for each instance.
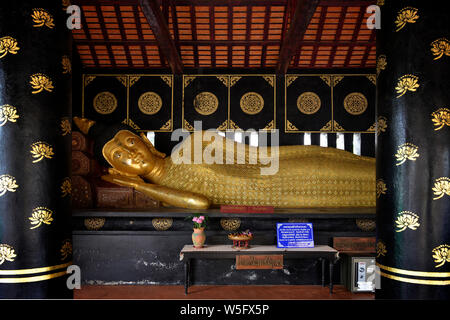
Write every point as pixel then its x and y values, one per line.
pixel 424 274
pixel 34 271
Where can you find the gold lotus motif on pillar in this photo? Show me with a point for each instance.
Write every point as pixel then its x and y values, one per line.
pixel 66 64
pixel 66 127
pixel 441 187
pixel 41 150
pixel 406 83
pixel 66 249
pixel 407 219
pixel 440 47
pixel 381 125
pixel 41 215
pixel 381 187
pixel 406 151
pixel 7 113
pixel 440 117
pixel 381 249
pixel 7 253
pixel 381 63
pixel 441 254
pixel 66 187
pixel 404 16
pixel 41 17
pixel 8 45
pixel 7 183
pixel 40 82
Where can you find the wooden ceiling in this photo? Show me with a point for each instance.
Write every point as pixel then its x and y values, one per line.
pixel 179 34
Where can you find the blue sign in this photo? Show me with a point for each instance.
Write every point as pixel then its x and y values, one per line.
pixel 295 235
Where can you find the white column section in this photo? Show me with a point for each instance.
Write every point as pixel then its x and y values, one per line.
pixel 323 139
pixel 151 137
pixel 357 143
pixel 340 144
pixel 254 139
pixel 307 139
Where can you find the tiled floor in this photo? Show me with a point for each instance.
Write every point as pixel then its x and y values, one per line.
pixel 230 292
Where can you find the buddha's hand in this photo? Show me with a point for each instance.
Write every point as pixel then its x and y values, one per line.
pixel 121 180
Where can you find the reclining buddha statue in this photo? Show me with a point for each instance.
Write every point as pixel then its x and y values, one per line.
pixel 306 176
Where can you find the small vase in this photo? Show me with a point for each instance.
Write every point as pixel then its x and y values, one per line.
pixel 198 237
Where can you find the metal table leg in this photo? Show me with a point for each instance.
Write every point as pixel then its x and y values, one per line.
pixel 323 271
pixel 331 276
pixel 186 275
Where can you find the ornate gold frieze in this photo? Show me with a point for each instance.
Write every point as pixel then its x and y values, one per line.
pixel 206 103
pixel 150 103
pixel 133 125
pixel 252 103
pixel 133 80
pixel 308 103
pixel 404 16
pixel 440 117
pixel 8 113
pixel 187 125
pixel 167 80
pixel 440 47
pixel 328 126
pixel 270 126
pixel 230 224
pixel 441 187
pixel 41 215
pixel 381 187
pixel 7 253
pixel 372 78
pixel 381 249
pixel 8 45
pixel 337 126
pixel 290 79
pixel 88 79
pixel 441 255
pixel 355 103
pixel 234 79
pixel 406 151
pixel 123 80
pixel 66 187
pixel 223 79
pixel 407 219
pixel 233 125
pixel 41 17
pixel 223 126
pixel 167 125
pixel 41 150
pixel 66 127
pixel 269 79
pixel 290 126
pixel 381 63
pixel 188 80
pixel 381 125
pixel 336 80
pixel 406 83
pixel 326 79
pixel 7 184
pixel 366 224
pixel 66 65
pixel 66 249
pixel 40 82
pixel 105 102
pixel 94 223
pixel 162 224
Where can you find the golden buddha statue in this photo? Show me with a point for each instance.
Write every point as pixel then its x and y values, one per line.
pixel 307 176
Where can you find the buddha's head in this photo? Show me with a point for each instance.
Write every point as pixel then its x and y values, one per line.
pixel 124 150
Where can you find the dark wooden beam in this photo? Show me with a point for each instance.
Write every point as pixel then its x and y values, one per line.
pixel 355 36
pixel 323 14
pixel 101 20
pixel 141 35
pixel 212 36
pixel 157 22
pixel 265 36
pixel 304 11
pixel 337 36
pixel 123 34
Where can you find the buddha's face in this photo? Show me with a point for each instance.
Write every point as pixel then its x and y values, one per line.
pixel 126 152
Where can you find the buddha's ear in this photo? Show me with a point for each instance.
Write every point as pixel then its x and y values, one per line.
pixel 151 147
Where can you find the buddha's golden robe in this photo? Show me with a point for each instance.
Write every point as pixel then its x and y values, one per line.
pixel 308 176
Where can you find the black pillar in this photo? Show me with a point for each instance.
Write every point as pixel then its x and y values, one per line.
pixel 413 185
pixel 35 146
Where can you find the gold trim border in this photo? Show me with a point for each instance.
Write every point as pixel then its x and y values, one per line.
pixel 34 270
pixel 416 281
pixel 415 273
pixel 33 279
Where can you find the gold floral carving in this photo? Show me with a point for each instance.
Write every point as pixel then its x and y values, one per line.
pixel 290 126
pixel 66 127
pixel 355 103
pixel 381 249
pixel 8 45
pixel 94 223
pixel 381 125
pixel 7 253
pixel 440 47
pixel 223 79
pixel 133 80
pixel 40 82
pixel 133 125
pixel 406 83
pixel 404 16
pixel 8 113
pixel 366 224
pixel 327 80
pixel 269 79
pixel 7 184
pixel 252 103
pixel 167 125
pixel 105 102
pixel 66 249
pixel 88 79
pixel 66 187
pixel 233 80
pixel 41 215
pixel 162 224
pixel 336 80
pixel 381 63
pixel 441 187
pixel 167 80
pixel 41 17
pixel 123 80
pixel 337 126
pixel 372 78
pixel 328 126
pixel 41 150
pixel 230 224
pixel 407 219
pixel 269 126
pixel 308 103
pixel 441 255
pixel 223 126
pixel 188 80
pixel 206 103
pixel 66 65
pixel 290 79
pixel 150 103
pixel 187 125
pixel 233 125
pixel 440 117
pixel 381 187
pixel 406 151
